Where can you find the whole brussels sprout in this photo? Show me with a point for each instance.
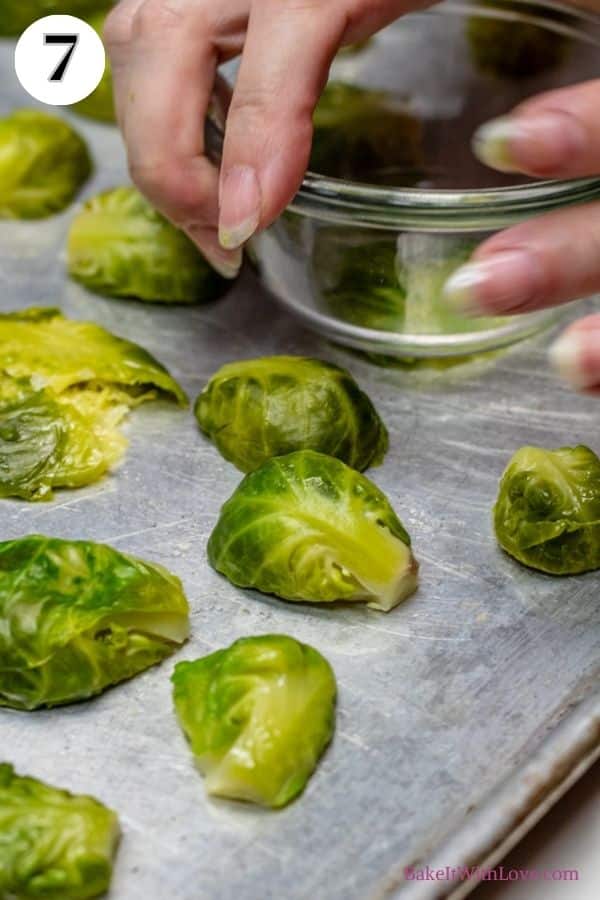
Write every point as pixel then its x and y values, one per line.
pixel 55 352
pixel 308 527
pixel 48 441
pixel 100 103
pixel 77 617
pixel 53 844
pixel 510 48
pixel 548 510
pixel 43 164
pixel 258 715
pixel 259 408
pixel 17 15
pixel 360 136
pixel 120 246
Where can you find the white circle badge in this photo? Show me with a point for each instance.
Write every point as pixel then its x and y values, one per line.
pixel 60 60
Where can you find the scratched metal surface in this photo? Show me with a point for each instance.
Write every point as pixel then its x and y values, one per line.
pixel 439 701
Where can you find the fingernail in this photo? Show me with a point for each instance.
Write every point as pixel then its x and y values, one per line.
pixel 505 283
pixel 228 265
pixel 543 144
pixel 492 144
pixel 226 262
pixel 240 206
pixel 568 355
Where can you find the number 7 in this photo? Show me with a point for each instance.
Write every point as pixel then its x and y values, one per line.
pixel 71 39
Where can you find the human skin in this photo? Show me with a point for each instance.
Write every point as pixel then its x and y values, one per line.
pixel 165 55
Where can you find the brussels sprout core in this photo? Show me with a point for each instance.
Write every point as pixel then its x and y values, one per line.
pixel 258 716
pixel 307 527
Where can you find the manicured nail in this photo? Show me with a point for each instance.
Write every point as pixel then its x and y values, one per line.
pixel 543 144
pixel 569 356
pixel 492 144
pixel 226 264
pixel 240 206
pixel 503 284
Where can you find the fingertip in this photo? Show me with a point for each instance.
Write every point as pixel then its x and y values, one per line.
pixel 575 356
pixel 545 143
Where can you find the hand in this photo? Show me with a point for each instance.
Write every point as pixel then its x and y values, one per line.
pixel 553 259
pixel 165 54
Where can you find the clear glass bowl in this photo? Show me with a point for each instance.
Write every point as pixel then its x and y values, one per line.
pixel 362 258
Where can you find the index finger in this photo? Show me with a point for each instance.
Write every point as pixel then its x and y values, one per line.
pixel 170 64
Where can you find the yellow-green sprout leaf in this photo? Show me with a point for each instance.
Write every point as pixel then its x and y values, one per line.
pixel 308 527
pixel 43 164
pixel 120 246
pixel 100 103
pixel 259 408
pixel 56 352
pixel 548 510
pixel 17 15
pixel 68 440
pixel 77 617
pixel 258 715
pixel 363 135
pixel 54 845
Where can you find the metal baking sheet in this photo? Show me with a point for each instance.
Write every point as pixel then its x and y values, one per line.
pixel 462 714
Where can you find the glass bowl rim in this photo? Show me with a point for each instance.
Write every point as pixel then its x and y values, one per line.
pixel 348 202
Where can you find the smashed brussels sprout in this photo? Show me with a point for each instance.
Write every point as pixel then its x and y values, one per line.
pixel 17 15
pixel 53 844
pixel 548 510
pixel 99 104
pixel 510 48
pixel 360 135
pixel 77 617
pixel 119 245
pixel 259 408
pixel 308 527
pixel 65 388
pixel 258 715
pixel 68 440
pixel 43 164
pixel 58 353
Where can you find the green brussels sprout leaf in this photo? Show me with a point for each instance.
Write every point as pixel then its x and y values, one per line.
pixel 259 408
pixel 258 715
pixel 43 164
pixel 308 527
pixel 53 844
pixel 120 246
pixel 547 515
pixel 77 617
